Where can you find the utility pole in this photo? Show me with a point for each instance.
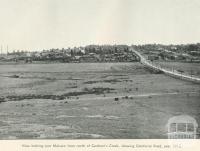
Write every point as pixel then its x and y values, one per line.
pixel 7 49
pixel 1 49
pixel 191 72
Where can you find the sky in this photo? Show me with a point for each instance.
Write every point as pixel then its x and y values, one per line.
pixel 34 25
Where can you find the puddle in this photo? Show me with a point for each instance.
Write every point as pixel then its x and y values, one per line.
pixel 94 116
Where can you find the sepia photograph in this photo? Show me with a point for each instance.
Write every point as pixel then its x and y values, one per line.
pixel 99 69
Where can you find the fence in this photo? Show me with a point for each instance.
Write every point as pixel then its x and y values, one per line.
pixel 172 72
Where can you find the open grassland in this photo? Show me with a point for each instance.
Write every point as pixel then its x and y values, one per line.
pixel 91 100
pixel 192 69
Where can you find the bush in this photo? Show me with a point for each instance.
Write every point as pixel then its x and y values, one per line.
pixel 116 99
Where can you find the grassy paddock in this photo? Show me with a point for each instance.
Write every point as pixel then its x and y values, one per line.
pixel 91 100
pixel 187 68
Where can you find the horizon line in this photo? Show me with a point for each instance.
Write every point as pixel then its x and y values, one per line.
pixel 95 44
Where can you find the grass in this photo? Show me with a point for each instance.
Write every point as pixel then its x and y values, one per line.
pixel 185 68
pixel 48 96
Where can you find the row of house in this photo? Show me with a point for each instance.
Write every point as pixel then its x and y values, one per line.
pixel 171 56
pixel 69 55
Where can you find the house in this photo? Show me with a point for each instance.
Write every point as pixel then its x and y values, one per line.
pixel 2 56
pixel 153 57
pixel 89 58
pixel 194 53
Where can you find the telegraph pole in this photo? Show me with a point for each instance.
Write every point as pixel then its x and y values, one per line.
pixel 7 49
pixel 1 49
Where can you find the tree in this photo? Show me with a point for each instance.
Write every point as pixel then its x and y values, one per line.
pixel 193 47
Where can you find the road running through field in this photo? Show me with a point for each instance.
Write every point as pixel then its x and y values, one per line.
pixel 144 61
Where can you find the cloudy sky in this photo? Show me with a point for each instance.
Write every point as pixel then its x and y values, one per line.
pixel 44 24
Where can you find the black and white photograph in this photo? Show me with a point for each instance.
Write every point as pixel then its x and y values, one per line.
pixel 99 69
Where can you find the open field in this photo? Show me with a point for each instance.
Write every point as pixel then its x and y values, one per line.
pixel 187 68
pixel 91 100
